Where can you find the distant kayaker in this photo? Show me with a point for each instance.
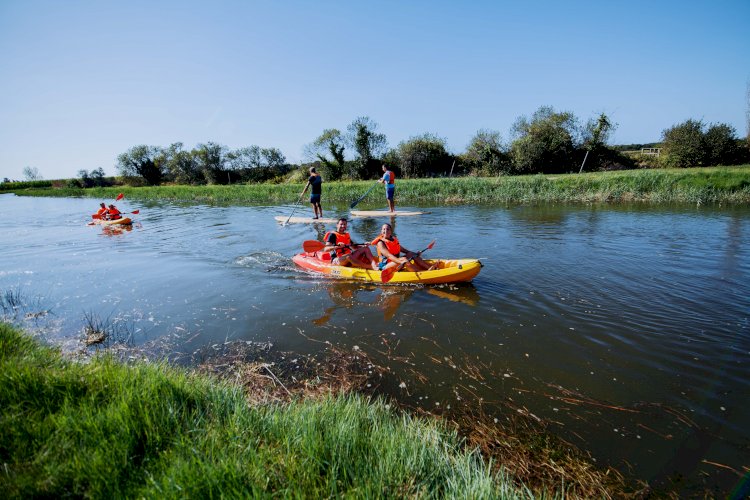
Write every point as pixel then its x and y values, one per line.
pixel 316 181
pixel 100 213
pixel 112 213
pixel 390 250
pixel 338 245
pixel 389 179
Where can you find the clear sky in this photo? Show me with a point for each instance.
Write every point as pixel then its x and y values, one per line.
pixel 83 81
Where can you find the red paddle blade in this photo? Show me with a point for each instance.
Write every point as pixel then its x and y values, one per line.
pixel 119 197
pixel 432 244
pixel 387 274
pixel 312 245
pixel 135 212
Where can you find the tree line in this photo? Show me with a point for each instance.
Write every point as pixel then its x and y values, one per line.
pixel 548 141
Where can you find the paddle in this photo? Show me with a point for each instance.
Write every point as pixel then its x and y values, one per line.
pixel 315 245
pixel 295 207
pixel 135 212
pixel 355 202
pixel 387 274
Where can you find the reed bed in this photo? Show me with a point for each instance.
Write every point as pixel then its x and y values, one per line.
pixel 729 185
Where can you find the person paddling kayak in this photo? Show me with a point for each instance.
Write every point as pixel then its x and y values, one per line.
pixel 338 244
pixel 100 213
pixel 390 250
pixel 112 213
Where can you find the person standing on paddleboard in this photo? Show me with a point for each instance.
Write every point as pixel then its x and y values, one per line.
pixel 389 179
pixel 316 181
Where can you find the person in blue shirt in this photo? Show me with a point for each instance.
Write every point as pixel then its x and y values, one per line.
pixel 389 179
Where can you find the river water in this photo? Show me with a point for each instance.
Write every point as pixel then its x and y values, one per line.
pixel 625 328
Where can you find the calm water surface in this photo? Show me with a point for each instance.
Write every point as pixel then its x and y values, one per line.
pixel 625 328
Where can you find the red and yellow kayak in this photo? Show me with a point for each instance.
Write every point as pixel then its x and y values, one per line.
pixel 124 221
pixel 447 271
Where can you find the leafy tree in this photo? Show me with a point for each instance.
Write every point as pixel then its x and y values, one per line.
pixel 181 165
pixel 684 144
pixel 546 143
pixel 367 144
pixel 332 142
pixel 97 177
pixel 485 154
pixel 31 174
pixel 85 179
pixel 211 159
pixel 596 134
pixel 141 161
pixel 423 156
pixel 272 158
pixel 720 141
pixel 256 164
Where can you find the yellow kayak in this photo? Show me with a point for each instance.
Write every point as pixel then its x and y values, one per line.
pixel 124 221
pixel 447 271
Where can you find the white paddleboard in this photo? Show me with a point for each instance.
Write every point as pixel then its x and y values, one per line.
pixel 383 213
pixel 304 220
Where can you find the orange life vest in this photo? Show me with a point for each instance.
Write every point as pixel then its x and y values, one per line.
pixel 393 246
pixel 342 238
pixel 100 212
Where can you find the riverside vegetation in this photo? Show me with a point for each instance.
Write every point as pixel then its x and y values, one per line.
pixel 104 428
pixel 730 185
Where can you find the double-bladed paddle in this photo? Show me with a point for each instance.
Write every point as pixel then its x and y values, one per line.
pixel 315 245
pixel 387 274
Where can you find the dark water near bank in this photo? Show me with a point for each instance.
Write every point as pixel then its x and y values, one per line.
pixel 626 328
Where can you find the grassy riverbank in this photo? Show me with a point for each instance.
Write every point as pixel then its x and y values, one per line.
pixel 104 429
pixel 729 185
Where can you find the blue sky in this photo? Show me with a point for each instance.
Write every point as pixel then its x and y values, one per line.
pixel 83 81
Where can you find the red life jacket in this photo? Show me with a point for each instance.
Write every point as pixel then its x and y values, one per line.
pixel 113 213
pixel 342 238
pixel 391 178
pixel 393 246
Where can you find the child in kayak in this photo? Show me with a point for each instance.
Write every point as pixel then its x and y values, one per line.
pixel 112 213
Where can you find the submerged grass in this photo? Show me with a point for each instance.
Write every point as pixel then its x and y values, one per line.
pixel 105 429
pixel 688 185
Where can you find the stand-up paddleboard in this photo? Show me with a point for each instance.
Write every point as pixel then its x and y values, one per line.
pixel 383 213
pixel 303 220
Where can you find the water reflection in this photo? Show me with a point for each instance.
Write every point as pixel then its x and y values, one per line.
pixel 351 295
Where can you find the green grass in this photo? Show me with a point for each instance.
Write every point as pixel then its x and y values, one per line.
pixel 689 185
pixel 104 429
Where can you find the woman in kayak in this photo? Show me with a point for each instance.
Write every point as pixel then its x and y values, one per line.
pixel 389 251
pixel 338 243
